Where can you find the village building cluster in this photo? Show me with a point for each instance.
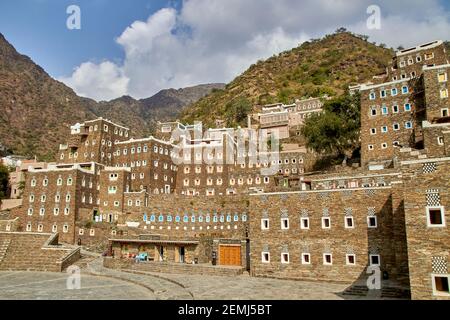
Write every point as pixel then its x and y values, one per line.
pixel 163 200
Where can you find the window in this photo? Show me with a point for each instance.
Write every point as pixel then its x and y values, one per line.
pixel 266 180
pixel 56 211
pixel 440 141
pixel 92 232
pixel 405 89
pixel 384 110
pixel 306 258
pixel 373 111
pixel 394 91
pixel 304 223
pixel 59 182
pixel 349 223
pixel 440 285
pixel 435 217
pixel 429 56
pixel 65 228
pixel 33 182
pixel 444 112
pixel 284 223
pixel 326 223
pixel 265 257
pixel 327 259
pixel 374 259
pixel 384 129
pixel 42 211
pixel 45 182
pixel 372 222
pixel 54 228
pixel 30 211
pixel 69 181
pixel 285 258
pixel 383 93
pixel 40 227
pixel 395 109
pixel 396 126
pixel 408 125
pixel 370 146
pixel 442 77
pixel 66 211
pixel 350 259
pixel 444 93
pixel 407 107
pixel 384 145
pixel 373 131
pixel 264 224
pixel 29 227
pixel 372 96
pixel 419 59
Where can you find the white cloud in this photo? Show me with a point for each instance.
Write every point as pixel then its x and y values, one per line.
pixel 215 40
pixel 102 81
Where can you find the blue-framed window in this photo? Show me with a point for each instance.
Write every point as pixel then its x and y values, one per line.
pixel 407 107
pixel 405 89
pixel 372 96
pixel 169 218
pixel 177 219
pixel 236 218
pixel 408 125
pixel 200 219
pixel 228 218
pixel 215 219
pixel 384 110
pixel 222 218
pixel 145 217
pixel 161 218
pixel 244 217
pixel 152 218
pixel 394 91
pixel 384 129
pixel 185 219
pixel 208 219
pixel 193 219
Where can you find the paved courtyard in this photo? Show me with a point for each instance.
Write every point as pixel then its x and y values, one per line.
pixel 99 283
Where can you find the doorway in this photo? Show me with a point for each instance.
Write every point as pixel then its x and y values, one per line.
pixel 182 254
pixel 161 253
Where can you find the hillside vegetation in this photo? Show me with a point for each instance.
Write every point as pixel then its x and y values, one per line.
pixel 319 67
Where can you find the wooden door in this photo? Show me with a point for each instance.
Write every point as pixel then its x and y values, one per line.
pixel 230 255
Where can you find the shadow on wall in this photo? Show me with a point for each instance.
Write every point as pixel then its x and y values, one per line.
pixel 386 273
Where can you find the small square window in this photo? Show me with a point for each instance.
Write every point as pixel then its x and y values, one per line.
pixel 350 259
pixel 384 145
pixel 384 110
pixel 304 223
pixel 396 126
pixel 435 217
pixel 285 258
pixel 374 259
pixel 373 131
pixel 405 89
pixel 373 111
pixel 442 77
pixel 407 107
pixel 444 112
pixel 265 224
pixel 395 109
pixel 306 258
pixel 326 223
pixel 372 96
pixel 394 91
pixel 370 146
pixel 327 259
pixel 265 257
pixel 372 222
pixel 444 93
pixel 284 224
pixel 408 125
pixel 384 129
pixel 441 285
pixel 349 223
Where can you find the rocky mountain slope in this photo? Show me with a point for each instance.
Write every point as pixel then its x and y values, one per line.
pixel 36 110
pixel 318 67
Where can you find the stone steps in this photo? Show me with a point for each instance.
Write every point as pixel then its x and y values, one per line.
pixel 4 249
pixel 361 291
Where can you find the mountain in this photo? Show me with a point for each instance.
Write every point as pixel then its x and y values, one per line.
pixel 36 110
pixel 315 68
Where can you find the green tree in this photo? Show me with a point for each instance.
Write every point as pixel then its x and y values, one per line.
pixel 336 130
pixel 237 110
pixel 4 180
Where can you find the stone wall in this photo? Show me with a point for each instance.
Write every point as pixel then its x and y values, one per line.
pixel 426 185
pixel 317 240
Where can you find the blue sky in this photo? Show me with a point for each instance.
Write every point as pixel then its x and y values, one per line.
pixel 38 28
pixel 139 47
